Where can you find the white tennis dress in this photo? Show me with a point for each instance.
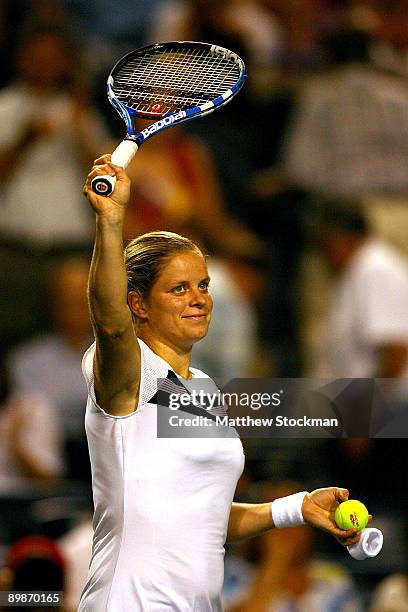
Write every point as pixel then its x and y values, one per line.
pixel 161 507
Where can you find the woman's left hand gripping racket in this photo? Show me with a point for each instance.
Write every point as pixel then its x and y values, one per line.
pixel 172 82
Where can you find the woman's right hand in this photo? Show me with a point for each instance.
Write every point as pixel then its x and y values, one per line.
pixel 114 206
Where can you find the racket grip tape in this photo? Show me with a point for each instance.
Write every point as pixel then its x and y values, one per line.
pixel 122 156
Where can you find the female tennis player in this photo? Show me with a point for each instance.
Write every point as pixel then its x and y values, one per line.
pixel 163 507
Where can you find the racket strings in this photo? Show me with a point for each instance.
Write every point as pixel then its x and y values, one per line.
pixel 181 68
pixel 175 79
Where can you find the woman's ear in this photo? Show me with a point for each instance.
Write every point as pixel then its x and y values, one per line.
pixel 137 305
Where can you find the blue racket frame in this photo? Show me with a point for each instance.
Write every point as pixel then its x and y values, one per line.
pixel 166 120
pixel 104 185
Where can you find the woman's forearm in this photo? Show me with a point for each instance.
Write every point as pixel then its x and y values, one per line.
pixel 248 520
pixel 107 279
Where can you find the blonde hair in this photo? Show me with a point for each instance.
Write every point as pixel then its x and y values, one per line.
pixel 146 255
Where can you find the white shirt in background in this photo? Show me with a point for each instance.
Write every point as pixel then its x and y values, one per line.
pixel 38 433
pixel 42 202
pixel 369 308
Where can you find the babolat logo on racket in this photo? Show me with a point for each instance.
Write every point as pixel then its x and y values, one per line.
pixel 166 121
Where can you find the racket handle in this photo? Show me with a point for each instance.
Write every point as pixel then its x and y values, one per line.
pixel 122 156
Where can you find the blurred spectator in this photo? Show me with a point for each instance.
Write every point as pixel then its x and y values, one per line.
pixel 49 134
pixel 51 363
pixel 34 563
pixel 350 135
pixel 14 15
pixel 242 24
pixel 391 595
pixel 30 448
pixel 301 22
pixel 347 139
pixel 289 575
pixel 367 333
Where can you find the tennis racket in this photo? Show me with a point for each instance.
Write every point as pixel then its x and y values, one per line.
pixel 171 82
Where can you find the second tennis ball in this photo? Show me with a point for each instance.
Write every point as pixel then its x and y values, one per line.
pixel 351 514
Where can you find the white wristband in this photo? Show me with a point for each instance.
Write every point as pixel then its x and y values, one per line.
pixel 287 511
pixel 369 544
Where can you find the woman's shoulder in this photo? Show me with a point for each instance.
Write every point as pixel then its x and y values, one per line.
pixel 153 361
pixel 153 367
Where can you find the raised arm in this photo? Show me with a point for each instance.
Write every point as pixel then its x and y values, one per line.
pixel 117 355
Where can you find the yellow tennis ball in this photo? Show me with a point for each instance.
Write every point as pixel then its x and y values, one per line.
pixel 351 514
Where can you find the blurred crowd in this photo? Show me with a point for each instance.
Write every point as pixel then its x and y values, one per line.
pixel 298 191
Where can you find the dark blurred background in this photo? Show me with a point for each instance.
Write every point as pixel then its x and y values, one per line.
pixel 298 190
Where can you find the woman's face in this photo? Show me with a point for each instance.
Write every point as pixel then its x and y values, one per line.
pixel 178 308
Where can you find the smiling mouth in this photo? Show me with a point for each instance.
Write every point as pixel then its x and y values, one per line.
pixel 197 317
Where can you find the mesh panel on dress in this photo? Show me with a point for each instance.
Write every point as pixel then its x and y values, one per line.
pixel 153 367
